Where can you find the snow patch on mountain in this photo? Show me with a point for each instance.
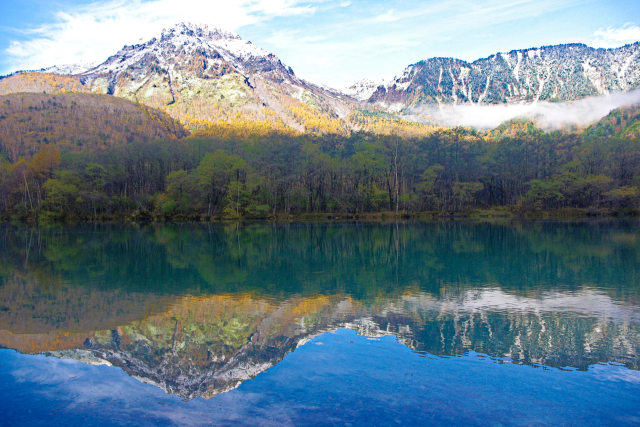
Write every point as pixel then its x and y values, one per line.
pixel 363 89
pixel 551 73
pixel 69 68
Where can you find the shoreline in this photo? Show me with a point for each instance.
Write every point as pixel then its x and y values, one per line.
pixel 495 214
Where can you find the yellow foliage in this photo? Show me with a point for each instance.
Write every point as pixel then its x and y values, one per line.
pixel 307 306
pixel 41 83
pixel 388 125
pixel 317 122
pixel 238 128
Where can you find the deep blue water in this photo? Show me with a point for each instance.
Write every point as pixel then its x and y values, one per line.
pixel 410 324
pixel 336 378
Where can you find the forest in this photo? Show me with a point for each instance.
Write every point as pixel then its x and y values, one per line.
pixel 240 172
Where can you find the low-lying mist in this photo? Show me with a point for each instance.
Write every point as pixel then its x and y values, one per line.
pixel 548 115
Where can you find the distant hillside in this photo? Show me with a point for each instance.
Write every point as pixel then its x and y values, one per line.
pixel 35 82
pixel 622 122
pixel 77 121
pixel 515 128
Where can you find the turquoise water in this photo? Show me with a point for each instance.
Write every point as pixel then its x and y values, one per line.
pixel 361 324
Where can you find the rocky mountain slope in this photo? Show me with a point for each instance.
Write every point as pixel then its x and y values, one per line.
pixel 552 73
pixel 363 90
pixel 197 74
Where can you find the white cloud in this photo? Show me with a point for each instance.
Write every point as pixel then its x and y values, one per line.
pixel 379 42
pixel 91 33
pixel 344 40
pixel 388 16
pixel 338 62
pixel 616 36
pixel 548 115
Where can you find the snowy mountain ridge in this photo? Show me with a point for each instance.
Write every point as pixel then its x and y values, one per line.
pixel 200 75
pixel 188 39
pixel 551 73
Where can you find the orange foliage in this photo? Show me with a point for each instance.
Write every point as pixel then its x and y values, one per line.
pixel 38 343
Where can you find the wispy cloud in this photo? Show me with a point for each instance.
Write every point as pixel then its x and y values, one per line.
pixel 616 36
pixel 380 41
pixel 388 16
pixel 547 115
pixel 333 42
pixel 93 32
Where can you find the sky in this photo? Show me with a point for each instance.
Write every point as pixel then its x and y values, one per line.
pixel 331 42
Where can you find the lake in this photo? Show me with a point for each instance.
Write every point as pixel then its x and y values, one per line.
pixel 332 324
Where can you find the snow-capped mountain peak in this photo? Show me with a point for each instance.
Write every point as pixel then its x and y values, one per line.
pixel 204 36
pixel 179 44
pixel 201 30
pixel 203 73
pixel 550 73
pixel 363 89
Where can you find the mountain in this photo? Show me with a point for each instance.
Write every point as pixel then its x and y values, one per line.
pixel 209 78
pixel 201 75
pixel 77 121
pixel 552 73
pixel 206 345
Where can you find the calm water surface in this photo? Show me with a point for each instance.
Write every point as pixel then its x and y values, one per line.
pixel 361 324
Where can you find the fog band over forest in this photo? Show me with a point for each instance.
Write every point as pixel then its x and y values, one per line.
pixel 548 115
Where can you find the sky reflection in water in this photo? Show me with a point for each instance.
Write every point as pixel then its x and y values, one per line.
pixel 200 310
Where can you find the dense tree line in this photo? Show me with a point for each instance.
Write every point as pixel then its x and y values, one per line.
pixel 265 175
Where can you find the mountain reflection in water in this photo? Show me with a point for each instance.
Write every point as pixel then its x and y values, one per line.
pixel 197 310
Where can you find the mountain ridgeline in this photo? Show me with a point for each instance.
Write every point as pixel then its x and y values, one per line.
pixel 551 73
pixel 202 76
